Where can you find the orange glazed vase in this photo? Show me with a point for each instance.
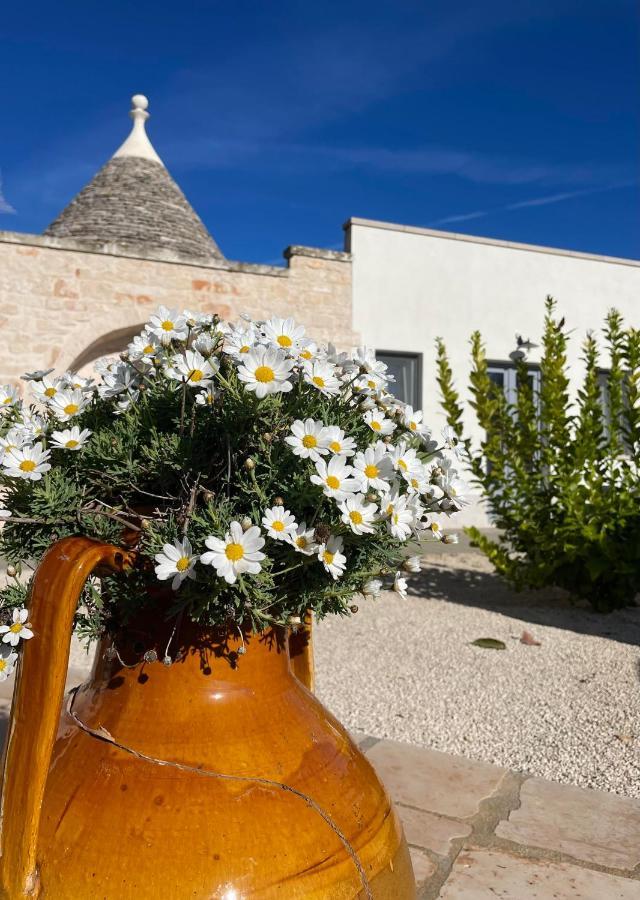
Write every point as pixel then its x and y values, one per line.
pixel 218 776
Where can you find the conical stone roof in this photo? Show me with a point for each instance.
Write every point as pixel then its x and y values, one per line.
pixel 134 203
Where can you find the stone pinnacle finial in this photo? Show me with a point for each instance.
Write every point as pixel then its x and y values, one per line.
pixel 138 143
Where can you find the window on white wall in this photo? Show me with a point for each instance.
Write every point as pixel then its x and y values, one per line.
pixel 505 376
pixel 406 368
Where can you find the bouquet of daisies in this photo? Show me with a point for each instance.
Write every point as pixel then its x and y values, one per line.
pixel 258 475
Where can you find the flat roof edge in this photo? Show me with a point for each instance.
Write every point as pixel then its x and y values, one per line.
pixel 493 242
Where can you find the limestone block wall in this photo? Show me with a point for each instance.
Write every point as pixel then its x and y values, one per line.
pixel 63 305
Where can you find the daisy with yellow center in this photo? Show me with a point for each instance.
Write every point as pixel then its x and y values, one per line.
pixel 279 523
pixel 19 630
pixel 176 561
pixel 412 419
pixel 236 554
pixel 168 325
pixel 265 370
pixel 284 333
pixel 7 665
pixel 307 439
pixel 68 403
pixel 9 396
pixel 144 347
pixel 359 515
pixel 374 467
pixel 322 377
pixel 70 439
pixel 336 478
pixel 27 462
pixel 337 442
pixel 331 556
pixel 192 369
pixel 46 388
pixel 303 540
pixel 378 423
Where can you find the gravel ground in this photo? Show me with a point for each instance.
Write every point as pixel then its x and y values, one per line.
pixel 567 710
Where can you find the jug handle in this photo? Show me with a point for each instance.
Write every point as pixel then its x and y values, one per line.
pixel 301 653
pixel 37 701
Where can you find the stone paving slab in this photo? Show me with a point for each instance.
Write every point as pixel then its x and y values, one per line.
pixel 438 782
pixel 490 874
pixel 588 825
pixel 431 832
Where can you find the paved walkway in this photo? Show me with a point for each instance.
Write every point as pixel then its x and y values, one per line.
pixel 479 832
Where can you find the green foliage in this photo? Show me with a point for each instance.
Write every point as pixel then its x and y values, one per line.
pixel 560 478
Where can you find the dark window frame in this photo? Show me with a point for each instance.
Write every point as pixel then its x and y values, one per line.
pixel 407 354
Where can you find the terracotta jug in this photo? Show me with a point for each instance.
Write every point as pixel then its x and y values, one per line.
pixel 218 776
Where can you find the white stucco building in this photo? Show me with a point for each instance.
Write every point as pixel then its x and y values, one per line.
pixel 411 285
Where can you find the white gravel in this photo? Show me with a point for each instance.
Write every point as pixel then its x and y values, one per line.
pixel 568 710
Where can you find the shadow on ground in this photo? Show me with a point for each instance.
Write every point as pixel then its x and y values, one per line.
pixel 456 575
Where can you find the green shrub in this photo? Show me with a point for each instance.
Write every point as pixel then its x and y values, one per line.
pixel 560 475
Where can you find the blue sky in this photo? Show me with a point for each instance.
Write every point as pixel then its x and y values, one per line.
pixel 515 120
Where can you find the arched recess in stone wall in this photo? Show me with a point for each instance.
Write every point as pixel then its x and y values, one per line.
pixel 106 345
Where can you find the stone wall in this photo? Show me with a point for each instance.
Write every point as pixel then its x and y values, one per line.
pixel 62 305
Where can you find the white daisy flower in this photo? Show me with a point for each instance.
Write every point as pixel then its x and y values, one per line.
pixel 336 478
pixel 358 514
pixel 337 442
pixel 67 404
pixel 389 498
pixel 403 519
pixel 453 442
pixel 373 467
pixel 144 347
pixel 9 396
pixel 364 359
pixel 412 564
pixel 456 491
pixel 73 381
pixel 265 370
pixel 310 352
pixel 238 553
pixel 168 325
pixel 192 368
pixel 240 341
pixel 47 388
pixel 32 427
pixel 371 383
pixel 283 332
pixel 7 664
pixel 304 540
pixel 417 479
pixel 378 423
pixel 331 556
pixel 412 419
pixel 176 561
pixel 279 523
pixel 322 376
pixel 38 375
pixel 403 458
pixel 307 439
pixel 372 588
pixel 205 344
pixel 70 439
pixel 400 585
pixel 5 513
pixel 19 630
pixel 207 397
pixel 15 438
pixel 119 378
pixel 27 462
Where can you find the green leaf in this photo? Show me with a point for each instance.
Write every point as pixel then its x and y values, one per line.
pixel 489 644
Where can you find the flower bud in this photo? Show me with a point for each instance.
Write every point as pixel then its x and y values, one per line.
pixel 267 437
pixel 208 496
pixel 279 501
pixel 354 609
pixel 249 464
pixel 246 523
pixel 294 620
pixel 12 571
